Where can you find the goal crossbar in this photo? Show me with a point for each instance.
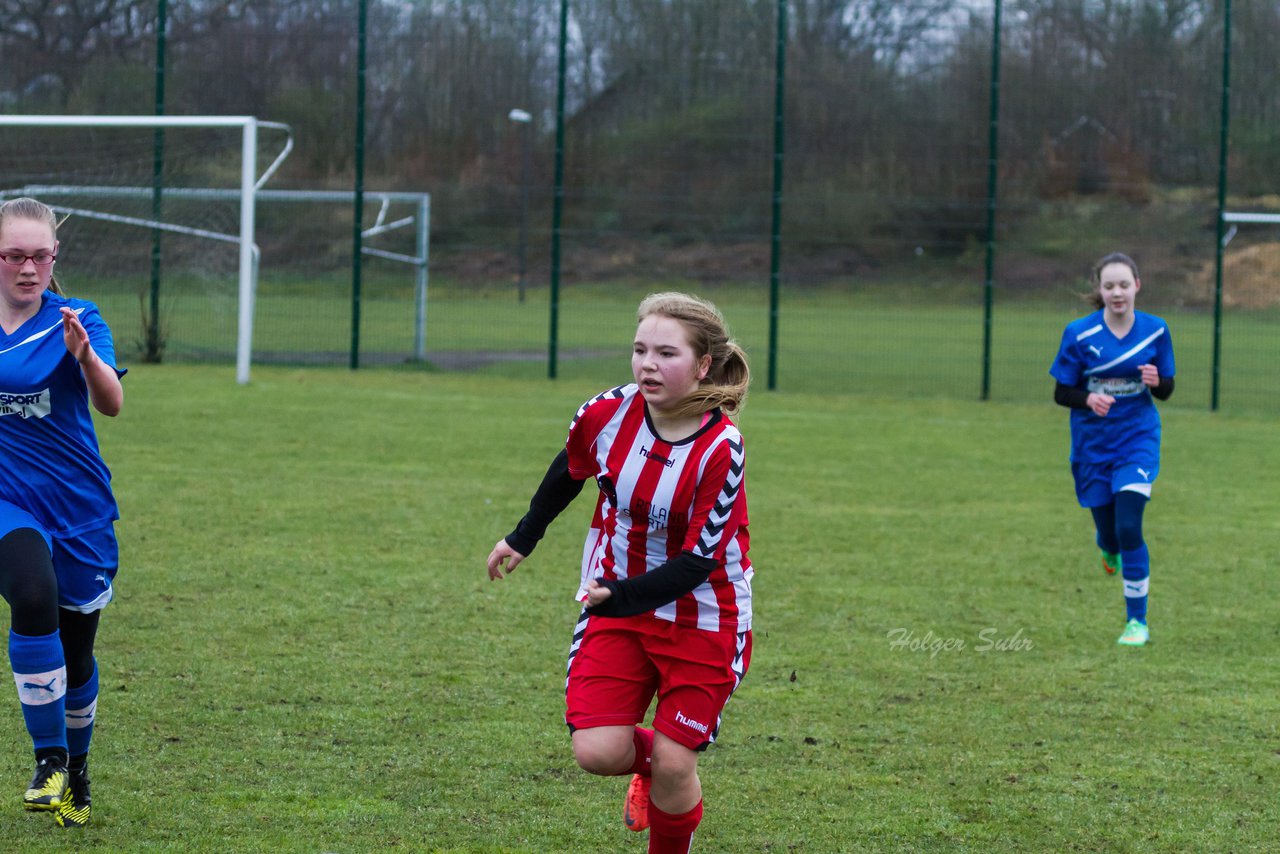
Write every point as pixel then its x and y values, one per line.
pixel 1238 218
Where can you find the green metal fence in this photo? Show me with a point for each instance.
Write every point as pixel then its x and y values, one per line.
pixel 884 198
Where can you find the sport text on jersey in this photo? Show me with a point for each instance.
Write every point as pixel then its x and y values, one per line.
pixel 1116 386
pixel 35 405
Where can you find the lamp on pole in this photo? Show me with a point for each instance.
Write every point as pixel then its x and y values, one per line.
pixel 522 117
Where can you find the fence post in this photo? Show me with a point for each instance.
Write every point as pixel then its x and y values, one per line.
pixel 775 227
pixel 557 206
pixel 993 162
pixel 357 230
pixel 1223 143
pixel 153 346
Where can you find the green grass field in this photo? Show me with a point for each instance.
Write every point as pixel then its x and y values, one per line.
pixel 305 654
pixel 883 342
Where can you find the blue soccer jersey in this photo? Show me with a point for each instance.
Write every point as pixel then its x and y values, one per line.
pixel 1092 358
pixel 52 467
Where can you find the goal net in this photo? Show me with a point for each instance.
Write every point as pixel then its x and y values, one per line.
pixel 216 264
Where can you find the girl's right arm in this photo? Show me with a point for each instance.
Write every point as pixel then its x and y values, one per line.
pixel 555 493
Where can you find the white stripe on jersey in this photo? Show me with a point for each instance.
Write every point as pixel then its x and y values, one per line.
pixel 36 336
pixel 709 539
pixel 646 478
pixel 604 395
pixel 1136 348
pixel 1092 330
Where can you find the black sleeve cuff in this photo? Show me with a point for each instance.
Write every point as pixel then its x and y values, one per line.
pixel 655 588
pixel 1162 389
pixel 1070 396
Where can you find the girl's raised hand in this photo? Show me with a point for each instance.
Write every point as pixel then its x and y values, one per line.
pixel 75 336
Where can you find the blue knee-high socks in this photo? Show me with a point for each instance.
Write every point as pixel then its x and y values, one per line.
pixel 82 706
pixel 40 674
pixel 1119 527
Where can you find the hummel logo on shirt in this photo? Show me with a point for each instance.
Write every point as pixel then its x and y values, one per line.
pixel 656 457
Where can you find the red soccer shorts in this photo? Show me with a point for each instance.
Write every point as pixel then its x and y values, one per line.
pixel 620 664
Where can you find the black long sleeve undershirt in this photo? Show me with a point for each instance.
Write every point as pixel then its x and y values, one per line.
pixel 1163 389
pixel 1078 398
pixel 555 493
pixel 655 588
pixel 631 596
pixel 1070 396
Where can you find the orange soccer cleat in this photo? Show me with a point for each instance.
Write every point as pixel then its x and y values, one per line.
pixel 635 812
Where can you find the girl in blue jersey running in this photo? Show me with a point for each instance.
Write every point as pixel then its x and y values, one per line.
pixel 58 552
pixel 1109 367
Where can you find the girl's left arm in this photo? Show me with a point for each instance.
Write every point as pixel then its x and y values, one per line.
pixel 105 391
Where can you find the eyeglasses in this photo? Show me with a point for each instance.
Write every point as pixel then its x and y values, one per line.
pixel 40 259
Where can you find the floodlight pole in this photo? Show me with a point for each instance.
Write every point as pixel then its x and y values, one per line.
pixel 524 119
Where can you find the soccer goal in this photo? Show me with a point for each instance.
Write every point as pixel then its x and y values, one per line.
pixel 110 145
pixel 1249 264
pixel 189 247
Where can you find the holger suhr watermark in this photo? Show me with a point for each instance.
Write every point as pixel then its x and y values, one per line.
pixel 989 639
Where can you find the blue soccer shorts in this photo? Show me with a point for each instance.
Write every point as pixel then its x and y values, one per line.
pixel 86 566
pixel 1097 484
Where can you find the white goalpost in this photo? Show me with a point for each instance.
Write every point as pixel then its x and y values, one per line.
pixel 277 296
pixel 420 203
pixel 249 185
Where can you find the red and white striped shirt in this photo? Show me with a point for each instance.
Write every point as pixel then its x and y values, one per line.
pixel 660 498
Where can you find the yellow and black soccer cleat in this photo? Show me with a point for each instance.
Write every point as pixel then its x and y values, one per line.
pixel 48 786
pixel 74 811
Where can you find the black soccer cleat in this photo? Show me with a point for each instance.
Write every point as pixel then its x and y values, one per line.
pixel 74 811
pixel 48 786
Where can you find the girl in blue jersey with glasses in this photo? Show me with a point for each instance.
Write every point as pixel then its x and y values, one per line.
pixel 58 552
pixel 1109 367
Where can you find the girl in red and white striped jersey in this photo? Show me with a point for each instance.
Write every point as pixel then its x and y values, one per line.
pixel 665 578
